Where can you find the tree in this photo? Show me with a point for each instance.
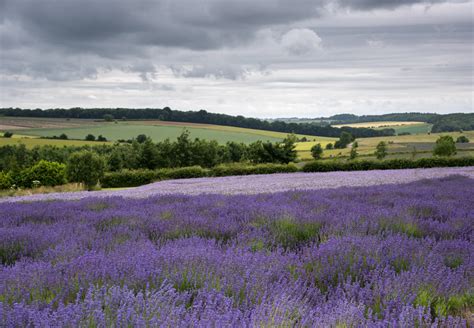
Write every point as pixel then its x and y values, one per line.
pixel 344 139
pixel 141 138
pixel 63 136
pixel 353 154
pixel 108 117
pixel 445 146
pixel 85 167
pixel 8 134
pixel 329 146
pixel 90 137
pixel 381 150
pixel 317 151
pixel 101 138
pixel 462 139
pixel 115 161
pixel 149 155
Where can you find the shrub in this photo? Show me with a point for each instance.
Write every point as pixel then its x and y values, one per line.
pixel 90 137
pixel 85 167
pixel 462 139
pixel 47 173
pixel 6 180
pixel 7 134
pixel 183 173
pixel 329 146
pixel 127 178
pixel 322 166
pixel 445 146
pixel 245 169
pixel 381 150
pixel 317 151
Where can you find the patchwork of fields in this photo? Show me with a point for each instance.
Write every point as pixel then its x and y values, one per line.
pixel 157 130
pixel 397 145
pixel 367 256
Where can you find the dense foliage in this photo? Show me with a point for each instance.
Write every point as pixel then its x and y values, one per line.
pixel 398 255
pixel 445 146
pixel 202 116
pixel 85 167
pixel 142 153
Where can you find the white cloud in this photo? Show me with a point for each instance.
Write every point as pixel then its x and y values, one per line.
pixel 300 41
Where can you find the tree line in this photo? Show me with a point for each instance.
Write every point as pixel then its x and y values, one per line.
pixel 143 153
pixel 201 116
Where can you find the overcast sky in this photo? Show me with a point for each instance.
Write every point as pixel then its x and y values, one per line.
pixel 260 58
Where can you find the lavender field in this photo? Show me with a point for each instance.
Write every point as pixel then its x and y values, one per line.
pixel 394 255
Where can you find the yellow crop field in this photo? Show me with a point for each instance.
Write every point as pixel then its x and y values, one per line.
pixel 375 125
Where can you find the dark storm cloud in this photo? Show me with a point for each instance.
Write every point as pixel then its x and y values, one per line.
pixel 203 24
pixel 279 53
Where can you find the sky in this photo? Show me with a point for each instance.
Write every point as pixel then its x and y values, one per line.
pixel 257 58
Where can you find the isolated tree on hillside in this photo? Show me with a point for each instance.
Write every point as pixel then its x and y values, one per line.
pixel 90 137
pixel 329 146
pixel 462 139
pixel 381 150
pixel 317 151
pixel 344 139
pixel 445 146
pixel 353 154
pixel 85 167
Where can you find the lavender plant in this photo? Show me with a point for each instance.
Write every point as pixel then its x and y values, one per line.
pixel 397 255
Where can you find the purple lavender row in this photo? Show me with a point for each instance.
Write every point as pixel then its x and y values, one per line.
pixel 254 184
pixel 381 256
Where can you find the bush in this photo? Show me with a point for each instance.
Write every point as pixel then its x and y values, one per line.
pixel 6 180
pixel 445 146
pixel 245 169
pixel 321 166
pixel 462 139
pixel 183 173
pixel 8 134
pixel 47 173
pixel 127 178
pixel 329 146
pixel 85 167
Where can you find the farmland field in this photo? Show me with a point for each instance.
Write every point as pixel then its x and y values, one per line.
pixel 399 127
pixel 157 130
pixel 362 255
pixel 396 144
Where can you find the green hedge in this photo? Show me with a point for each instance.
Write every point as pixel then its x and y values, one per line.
pixel 327 166
pixel 182 173
pixel 135 178
pixel 245 169
pixel 128 178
